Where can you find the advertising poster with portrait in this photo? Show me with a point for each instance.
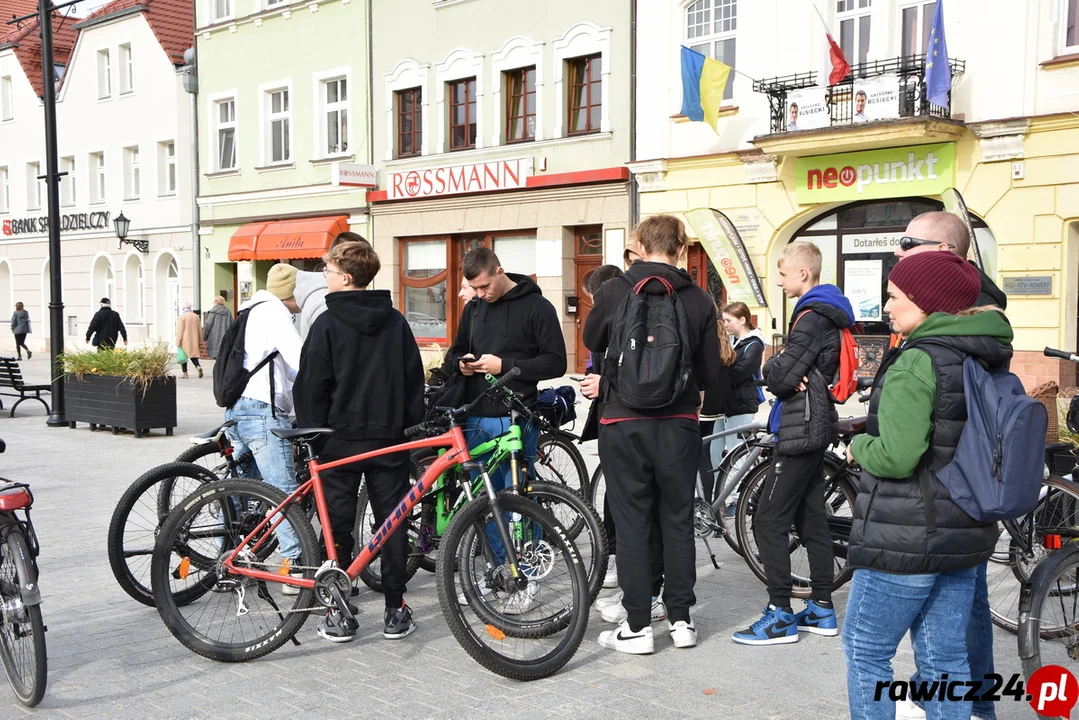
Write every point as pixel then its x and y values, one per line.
pixel 875 98
pixel 807 109
pixel 863 281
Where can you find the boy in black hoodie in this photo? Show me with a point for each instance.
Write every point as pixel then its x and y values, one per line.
pixel 361 374
pixel 651 457
pixel 804 418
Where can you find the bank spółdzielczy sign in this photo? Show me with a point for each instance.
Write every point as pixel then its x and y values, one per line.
pixel 40 225
pixel 876 174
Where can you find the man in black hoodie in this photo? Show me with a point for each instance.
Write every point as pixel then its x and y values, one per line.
pixel 361 374
pixel 650 456
pixel 106 326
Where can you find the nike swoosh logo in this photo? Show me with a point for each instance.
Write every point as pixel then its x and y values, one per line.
pixel 631 637
pixel 781 626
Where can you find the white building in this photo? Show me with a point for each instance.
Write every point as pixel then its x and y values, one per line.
pixel 124 141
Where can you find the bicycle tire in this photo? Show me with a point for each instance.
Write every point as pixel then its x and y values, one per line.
pixel 548 494
pixel 133 576
pixel 372 574
pixel 1032 632
pixel 207 455
pixel 224 493
pixel 1005 579
pixel 27 683
pixel 840 492
pixel 572 621
pixel 550 469
pixel 726 467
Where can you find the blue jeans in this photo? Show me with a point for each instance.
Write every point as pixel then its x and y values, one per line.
pixel 273 456
pixel 935 608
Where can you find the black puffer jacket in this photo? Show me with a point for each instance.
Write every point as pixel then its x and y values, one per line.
pixel 747 364
pixel 808 418
pixel 912 526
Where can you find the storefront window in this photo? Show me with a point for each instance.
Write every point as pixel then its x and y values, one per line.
pixel 517 253
pixel 423 288
pixel 425 310
pixel 425 259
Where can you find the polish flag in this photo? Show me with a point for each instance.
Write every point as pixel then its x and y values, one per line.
pixel 834 64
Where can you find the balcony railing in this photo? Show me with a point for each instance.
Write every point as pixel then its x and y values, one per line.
pixel 910 70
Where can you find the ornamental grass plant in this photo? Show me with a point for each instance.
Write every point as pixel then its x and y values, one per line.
pixel 142 365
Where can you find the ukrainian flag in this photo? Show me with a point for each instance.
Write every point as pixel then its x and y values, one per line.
pixel 703 80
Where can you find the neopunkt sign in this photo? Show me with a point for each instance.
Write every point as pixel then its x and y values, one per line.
pixel 875 174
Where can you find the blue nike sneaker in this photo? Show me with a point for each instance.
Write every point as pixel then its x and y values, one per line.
pixel 817 620
pixel 776 627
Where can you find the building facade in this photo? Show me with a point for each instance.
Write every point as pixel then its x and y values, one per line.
pixel 285 138
pixel 490 136
pixel 850 183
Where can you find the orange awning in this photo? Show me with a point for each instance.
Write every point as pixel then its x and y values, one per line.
pixel 287 239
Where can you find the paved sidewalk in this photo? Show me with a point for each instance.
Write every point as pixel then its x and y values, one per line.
pixel 110 657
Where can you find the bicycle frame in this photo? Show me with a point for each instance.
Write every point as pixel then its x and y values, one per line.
pixel 747 463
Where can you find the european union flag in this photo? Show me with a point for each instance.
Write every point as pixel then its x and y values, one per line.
pixel 938 72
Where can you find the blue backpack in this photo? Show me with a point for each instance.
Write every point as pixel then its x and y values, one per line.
pixel 997 470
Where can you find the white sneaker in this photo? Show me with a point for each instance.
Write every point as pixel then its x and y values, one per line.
pixel 484 593
pixel 617 613
pixel 521 602
pixel 605 602
pixel 907 710
pixel 610 580
pixel 683 634
pixel 624 640
pixel 292 589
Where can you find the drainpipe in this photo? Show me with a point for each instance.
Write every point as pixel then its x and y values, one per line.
pixel 370 114
pixel 191 85
pixel 634 199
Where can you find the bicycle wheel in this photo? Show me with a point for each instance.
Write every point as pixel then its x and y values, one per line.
pixel 1057 513
pixel 521 633
pixel 236 618
pixel 839 498
pixel 137 518
pixel 22 632
pixel 726 516
pixel 207 455
pixel 559 461
pixel 1049 632
pixel 573 511
pixel 366 527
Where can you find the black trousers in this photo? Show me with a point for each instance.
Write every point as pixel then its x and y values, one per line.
pixel 793 494
pixel 655 542
pixel 650 467
pixel 194 361
pixel 387 483
pixel 20 344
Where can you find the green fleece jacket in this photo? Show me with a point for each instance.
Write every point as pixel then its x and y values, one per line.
pixel 905 411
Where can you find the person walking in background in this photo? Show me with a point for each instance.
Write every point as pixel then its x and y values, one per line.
pixel 188 334
pixel 311 287
pixel 20 326
pixel 105 327
pixel 218 322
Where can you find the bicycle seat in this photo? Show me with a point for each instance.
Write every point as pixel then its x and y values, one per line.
pixel 213 434
pixel 300 434
pixel 851 426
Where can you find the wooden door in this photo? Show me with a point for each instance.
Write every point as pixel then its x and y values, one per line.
pixel 704 274
pixel 588 256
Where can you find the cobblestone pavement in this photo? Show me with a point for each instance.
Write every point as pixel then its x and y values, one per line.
pixel 110 657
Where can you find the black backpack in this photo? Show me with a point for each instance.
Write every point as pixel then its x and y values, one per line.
pixel 230 377
pixel 648 360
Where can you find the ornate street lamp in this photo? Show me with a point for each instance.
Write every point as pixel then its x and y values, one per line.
pixel 122 224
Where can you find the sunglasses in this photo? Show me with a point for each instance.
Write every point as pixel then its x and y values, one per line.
pixel 909 243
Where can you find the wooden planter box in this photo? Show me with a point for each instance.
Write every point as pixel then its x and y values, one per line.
pixel 118 403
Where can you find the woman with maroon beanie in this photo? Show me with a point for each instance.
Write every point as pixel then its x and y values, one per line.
pixel 915 552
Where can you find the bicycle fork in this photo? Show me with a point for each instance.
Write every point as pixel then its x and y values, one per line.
pixel 499 519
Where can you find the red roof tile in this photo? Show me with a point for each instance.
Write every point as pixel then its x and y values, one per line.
pixel 27 40
pixel 172 21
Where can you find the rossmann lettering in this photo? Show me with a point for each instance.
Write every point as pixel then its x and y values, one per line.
pixel 913 169
pixel 457 179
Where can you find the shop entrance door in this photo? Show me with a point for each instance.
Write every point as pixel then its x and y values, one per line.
pixel 588 255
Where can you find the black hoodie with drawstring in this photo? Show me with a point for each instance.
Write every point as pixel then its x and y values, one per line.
pixel 360 369
pixel 522 329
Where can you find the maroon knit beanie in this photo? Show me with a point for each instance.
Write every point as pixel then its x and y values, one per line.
pixel 938 281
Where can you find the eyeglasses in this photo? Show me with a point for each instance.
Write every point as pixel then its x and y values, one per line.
pixel 326 271
pixel 907 244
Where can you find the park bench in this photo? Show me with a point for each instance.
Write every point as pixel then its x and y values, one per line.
pixel 12 385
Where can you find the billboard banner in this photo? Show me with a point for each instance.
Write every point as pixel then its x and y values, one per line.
pixel 876 98
pixel 720 239
pixel 875 174
pixel 807 109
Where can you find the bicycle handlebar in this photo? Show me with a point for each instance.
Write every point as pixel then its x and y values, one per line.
pixel 422 428
pixel 1062 354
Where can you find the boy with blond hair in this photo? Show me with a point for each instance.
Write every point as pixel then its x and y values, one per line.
pixel 804 419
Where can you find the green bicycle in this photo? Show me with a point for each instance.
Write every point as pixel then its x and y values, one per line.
pixel 454 489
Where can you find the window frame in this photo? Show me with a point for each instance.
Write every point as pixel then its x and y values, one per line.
pixel 7 99
pixel 923 24
pixel 5 189
pixel 705 43
pixel 589 82
pixel 132 173
pixel 104 74
pixel 1065 48
pixel 325 107
pixel 33 184
pixel 855 15
pixel 508 76
pixel 167 169
pixel 471 111
pixel 230 14
pixel 127 69
pixel 403 282
pixel 416 133
pixel 98 178
pixel 269 118
pixel 68 186
pixel 219 126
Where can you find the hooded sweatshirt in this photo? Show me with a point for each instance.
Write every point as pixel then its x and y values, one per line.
pixel 522 329
pixel 360 369
pixel 704 337
pixel 746 370
pixel 310 295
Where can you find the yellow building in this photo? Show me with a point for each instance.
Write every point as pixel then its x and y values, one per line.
pixel 1019 178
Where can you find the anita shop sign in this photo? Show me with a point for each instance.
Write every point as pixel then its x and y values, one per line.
pixel 40 225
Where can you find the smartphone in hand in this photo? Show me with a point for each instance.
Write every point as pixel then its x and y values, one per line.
pixel 576 378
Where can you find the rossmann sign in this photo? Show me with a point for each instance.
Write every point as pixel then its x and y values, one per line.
pixel 458 179
pixel 876 174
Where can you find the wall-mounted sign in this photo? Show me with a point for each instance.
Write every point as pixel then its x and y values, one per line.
pixel 354 175
pixel 1028 285
pixel 458 179
pixel 807 109
pixel 875 174
pixel 862 283
pixel 40 225
pixel 871 243
pixel 876 98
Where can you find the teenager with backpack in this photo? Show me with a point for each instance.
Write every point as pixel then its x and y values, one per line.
pixel 253 376
pixel 803 378
pixel 914 550
pixel 657 333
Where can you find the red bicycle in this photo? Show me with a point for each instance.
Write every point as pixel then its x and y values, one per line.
pixel 511 584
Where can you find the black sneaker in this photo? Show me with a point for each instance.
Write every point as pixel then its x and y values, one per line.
pixel 399 623
pixel 336 628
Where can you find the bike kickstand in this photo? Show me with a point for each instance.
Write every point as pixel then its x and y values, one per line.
pixel 708 547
